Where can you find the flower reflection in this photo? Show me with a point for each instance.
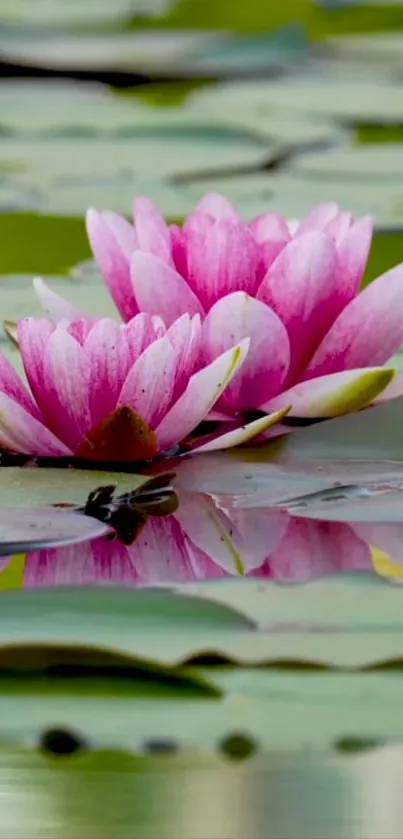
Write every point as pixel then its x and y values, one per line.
pixel 203 539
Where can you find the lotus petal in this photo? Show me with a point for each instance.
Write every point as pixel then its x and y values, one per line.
pixel 367 333
pixel 160 290
pixel 301 288
pixel 334 395
pixel 22 432
pixel 112 240
pixel 11 385
pixel 55 307
pixel 153 235
pixel 64 397
pixel 263 373
pixel 202 392
pixel 224 260
pixel 148 387
pixel 242 434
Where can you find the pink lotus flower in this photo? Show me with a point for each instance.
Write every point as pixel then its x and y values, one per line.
pixel 107 391
pixel 316 343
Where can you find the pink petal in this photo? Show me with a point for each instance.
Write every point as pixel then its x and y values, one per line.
pixel 65 390
pixel 148 387
pixel 112 240
pixel 293 225
pixel 160 552
pixel 339 226
pixel 123 232
pixel 153 234
pixel 333 395
pixel 178 246
pixel 271 232
pixel 185 335
pixel 236 540
pixel 262 375
pixel 33 338
pixel 369 330
pixel 203 566
pixel 318 218
pixel 20 432
pixel 111 563
pixel 11 385
pixel 79 329
pixel 268 252
pixel 107 350
pixel 269 226
pixel 97 561
pixel 210 529
pixel 217 206
pixel 55 307
pixel 301 288
pixel 160 290
pixel 141 331
pixel 224 439
pixel 386 537
pixel 56 566
pixel 353 252
pixel 312 549
pixel 202 392
pixel 226 259
pixel 261 530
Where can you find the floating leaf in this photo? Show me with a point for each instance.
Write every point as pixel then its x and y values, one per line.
pixel 45 528
pixel 29 487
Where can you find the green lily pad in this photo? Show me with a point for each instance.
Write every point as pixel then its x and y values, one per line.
pixel 286 796
pixel 327 94
pixel 109 172
pixel 372 435
pixel 50 12
pixel 45 528
pixel 126 714
pixel 378 162
pixel 329 623
pixel 29 487
pixel 123 51
pixel 293 193
pixel 350 603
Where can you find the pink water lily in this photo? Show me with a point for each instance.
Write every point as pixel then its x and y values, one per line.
pixel 292 287
pixel 109 391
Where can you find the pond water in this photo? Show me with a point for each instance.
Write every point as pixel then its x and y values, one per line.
pixel 215 647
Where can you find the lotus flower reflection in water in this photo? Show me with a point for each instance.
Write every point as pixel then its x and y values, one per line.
pixel 109 391
pixel 317 344
pixel 204 540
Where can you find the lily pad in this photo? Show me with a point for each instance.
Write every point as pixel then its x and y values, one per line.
pixel 328 623
pixel 50 12
pixel 294 194
pixel 377 162
pixel 167 707
pixel 35 486
pixel 103 794
pixel 328 95
pixel 40 528
pixel 109 172
pixel 372 435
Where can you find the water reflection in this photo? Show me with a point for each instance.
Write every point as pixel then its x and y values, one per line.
pixel 206 537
